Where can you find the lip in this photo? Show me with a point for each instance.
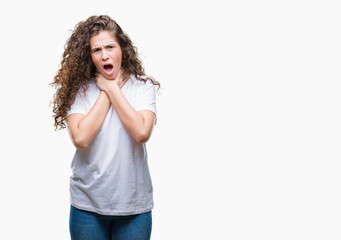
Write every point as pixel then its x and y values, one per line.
pixel 107 69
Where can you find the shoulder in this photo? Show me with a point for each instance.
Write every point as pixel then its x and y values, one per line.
pixel 92 84
pixel 91 89
pixel 142 82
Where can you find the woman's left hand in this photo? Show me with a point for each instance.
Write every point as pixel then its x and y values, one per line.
pixel 105 84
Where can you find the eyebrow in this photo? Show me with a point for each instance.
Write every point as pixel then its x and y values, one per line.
pixel 107 45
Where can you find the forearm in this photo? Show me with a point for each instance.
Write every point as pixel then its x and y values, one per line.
pixel 85 128
pixel 138 124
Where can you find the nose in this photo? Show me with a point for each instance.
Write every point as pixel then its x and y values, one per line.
pixel 104 55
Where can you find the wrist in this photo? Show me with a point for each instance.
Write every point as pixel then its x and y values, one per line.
pixel 104 96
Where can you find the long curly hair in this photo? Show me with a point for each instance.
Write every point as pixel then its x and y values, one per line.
pixel 77 68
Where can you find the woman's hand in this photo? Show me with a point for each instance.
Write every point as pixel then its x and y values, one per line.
pixel 105 84
pixel 139 124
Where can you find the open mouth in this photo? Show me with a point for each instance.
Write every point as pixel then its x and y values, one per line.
pixel 108 68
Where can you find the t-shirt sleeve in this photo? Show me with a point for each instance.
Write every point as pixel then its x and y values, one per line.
pixel 147 98
pixel 78 106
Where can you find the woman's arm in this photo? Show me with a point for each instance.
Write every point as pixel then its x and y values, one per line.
pixel 139 124
pixel 84 128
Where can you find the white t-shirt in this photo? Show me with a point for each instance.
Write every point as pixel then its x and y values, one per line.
pixel 111 175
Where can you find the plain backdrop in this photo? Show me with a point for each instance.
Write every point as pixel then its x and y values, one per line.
pixel 247 144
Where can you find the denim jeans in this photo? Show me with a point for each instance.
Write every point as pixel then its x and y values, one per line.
pixel 86 225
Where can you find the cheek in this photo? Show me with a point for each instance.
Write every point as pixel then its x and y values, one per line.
pixel 118 62
pixel 119 57
pixel 95 60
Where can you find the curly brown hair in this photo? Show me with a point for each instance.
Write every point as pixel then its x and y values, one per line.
pixel 77 68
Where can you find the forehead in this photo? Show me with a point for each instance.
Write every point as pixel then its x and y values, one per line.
pixel 103 38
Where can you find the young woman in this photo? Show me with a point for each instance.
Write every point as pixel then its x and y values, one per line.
pixel 108 104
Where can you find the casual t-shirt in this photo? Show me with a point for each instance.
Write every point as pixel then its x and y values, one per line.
pixel 111 175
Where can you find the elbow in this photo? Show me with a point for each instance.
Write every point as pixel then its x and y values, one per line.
pixel 80 143
pixel 142 137
pixel 80 146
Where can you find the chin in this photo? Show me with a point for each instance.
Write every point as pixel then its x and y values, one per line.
pixel 109 76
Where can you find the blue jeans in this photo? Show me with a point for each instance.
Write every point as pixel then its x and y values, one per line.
pixel 86 225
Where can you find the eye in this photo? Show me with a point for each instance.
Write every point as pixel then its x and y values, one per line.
pixel 95 50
